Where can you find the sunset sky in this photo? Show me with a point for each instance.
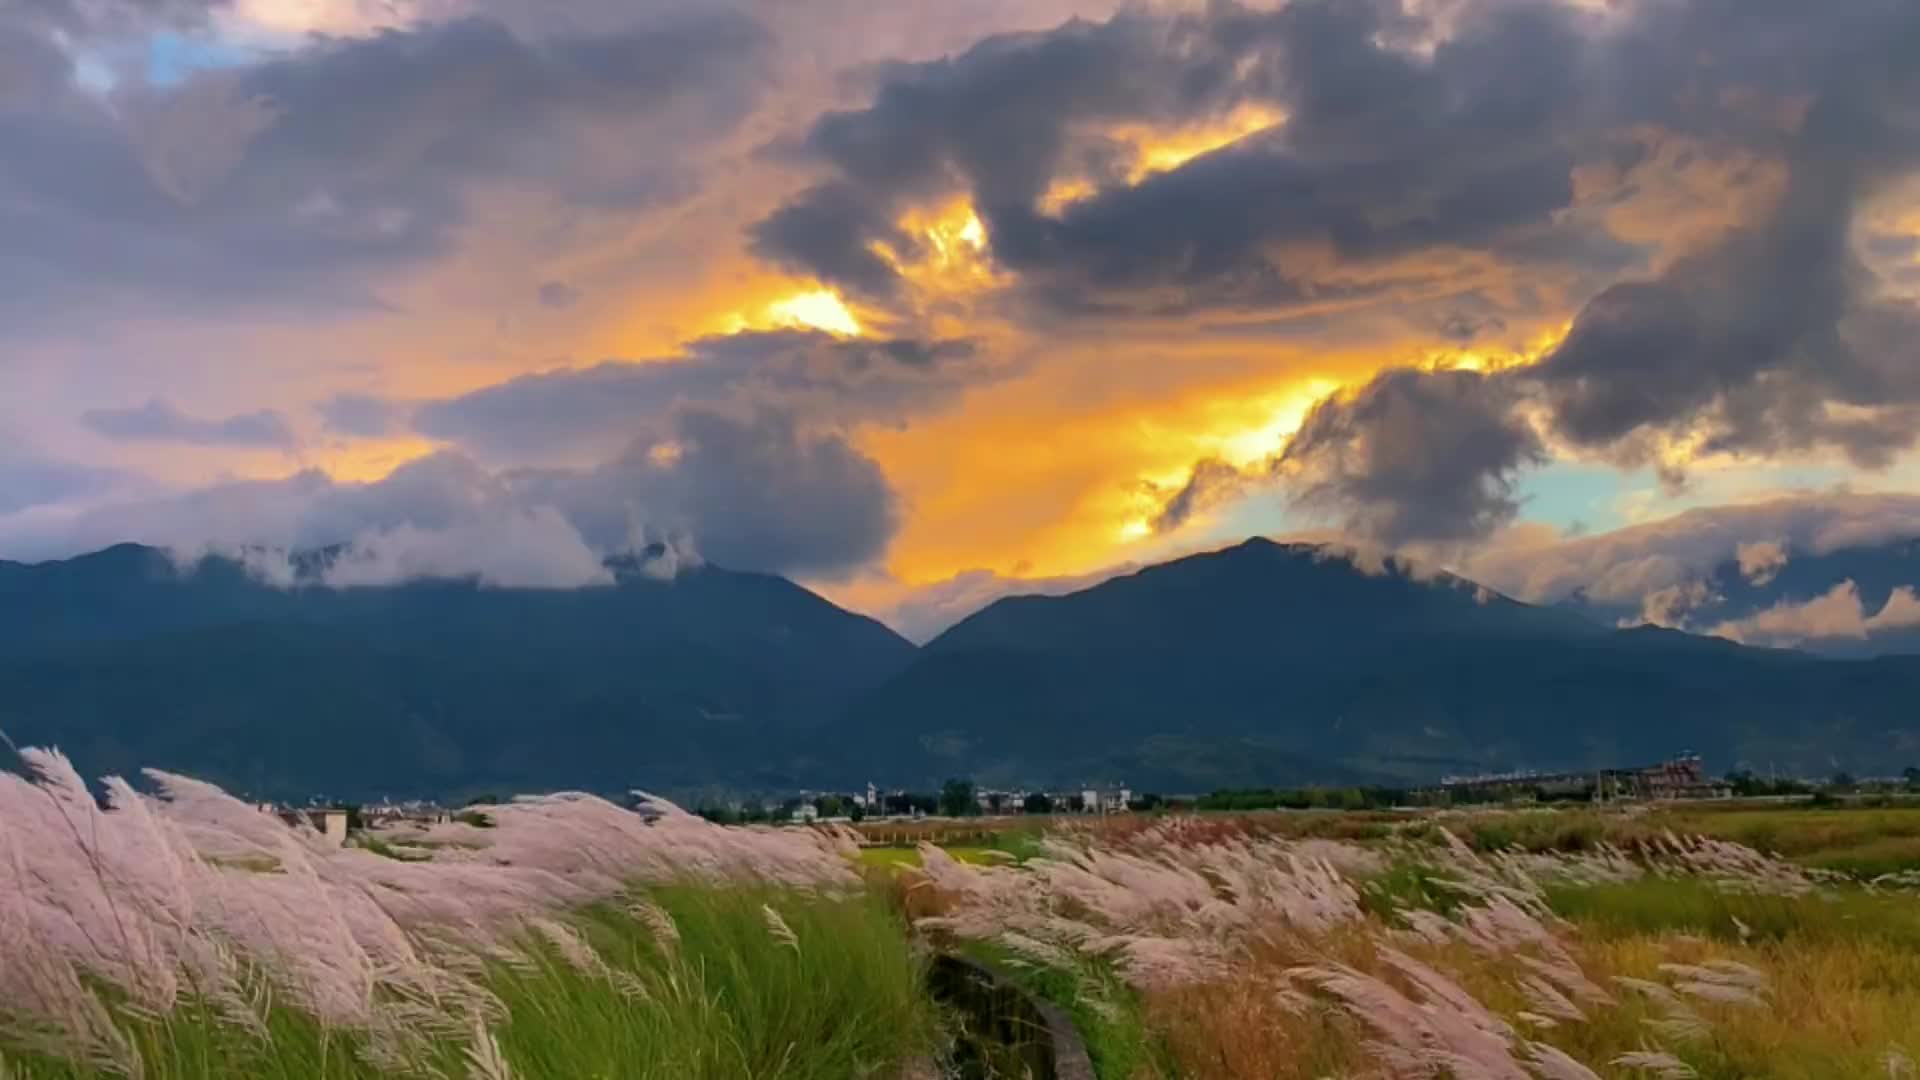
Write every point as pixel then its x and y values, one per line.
pixel 919 303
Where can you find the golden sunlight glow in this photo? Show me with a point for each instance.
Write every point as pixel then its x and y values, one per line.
pixel 950 256
pixel 665 455
pixel 1164 150
pixel 363 461
pixel 1064 193
pixel 816 310
pixel 1487 360
pixel 1158 150
pixel 1287 411
pixel 955 235
pixel 302 17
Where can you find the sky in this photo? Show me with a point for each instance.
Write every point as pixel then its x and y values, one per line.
pixel 924 303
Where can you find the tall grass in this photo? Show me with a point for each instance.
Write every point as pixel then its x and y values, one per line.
pixel 1862 842
pixel 1256 955
pixel 752 982
pixel 185 934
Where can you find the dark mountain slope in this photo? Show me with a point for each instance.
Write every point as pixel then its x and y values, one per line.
pixel 713 677
pixel 1266 663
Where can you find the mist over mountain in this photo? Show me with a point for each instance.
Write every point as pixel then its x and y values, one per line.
pixel 1853 601
pixel 1262 663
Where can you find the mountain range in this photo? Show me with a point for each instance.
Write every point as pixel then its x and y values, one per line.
pixel 1262 663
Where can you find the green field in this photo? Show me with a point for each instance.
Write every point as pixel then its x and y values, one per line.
pixel 1718 940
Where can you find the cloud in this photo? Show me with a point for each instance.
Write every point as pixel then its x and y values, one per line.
pixel 1460 164
pixel 1624 566
pixel 1391 134
pixel 754 490
pixel 1837 614
pixel 740 445
pixel 1210 483
pixel 598 411
pixel 27 482
pixel 1410 457
pixel 291 179
pixel 534 548
pixel 362 415
pixel 1413 456
pixel 79 19
pixel 1673 606
pixel 558 295
pixel 160 420
pixel 1761 560
pixel 1776 338
pixel 441 516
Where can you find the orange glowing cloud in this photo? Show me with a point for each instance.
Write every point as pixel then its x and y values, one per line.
pixel 818 309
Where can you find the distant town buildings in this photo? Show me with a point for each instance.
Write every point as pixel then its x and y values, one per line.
pixel 1680 777
pixel 412 812
pixel 329 822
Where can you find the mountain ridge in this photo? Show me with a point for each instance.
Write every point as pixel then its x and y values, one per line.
pixel 1259 663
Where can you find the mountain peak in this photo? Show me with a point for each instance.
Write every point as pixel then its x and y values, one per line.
pixel 1257 594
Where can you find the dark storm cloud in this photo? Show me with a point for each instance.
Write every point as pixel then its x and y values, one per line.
pixel 738 444
pixel 757 491
pixel 1774 337
pixel 284 178
pixel 1414 456
pixel 1211 482
pixel 994 121
pixel 824 379
pixel 1384 152
pixel 160 420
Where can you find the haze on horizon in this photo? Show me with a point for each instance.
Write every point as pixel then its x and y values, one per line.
pixel 922 303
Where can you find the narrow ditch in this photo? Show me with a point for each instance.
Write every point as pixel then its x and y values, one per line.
pixel 1002 1032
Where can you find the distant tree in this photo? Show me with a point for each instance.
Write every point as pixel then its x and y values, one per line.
pixel 1037 803
pixel 1077 803
pixel 1912 776
pixel 957 799
pixel 485 799
pixel 754 810
pixel 1842 781
pixel 857 812
pixel 830 805
pixel 1145 802
pixel 920 802
pixel 996 801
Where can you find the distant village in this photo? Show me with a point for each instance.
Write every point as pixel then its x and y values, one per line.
pixel 956 798
pixel 1681 777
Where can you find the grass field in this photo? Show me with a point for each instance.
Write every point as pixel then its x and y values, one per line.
pixel 1862 842
pixel 1541 943
pixel 603 994
pixel 186 935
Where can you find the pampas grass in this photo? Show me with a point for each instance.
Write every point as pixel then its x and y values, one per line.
pixel 183 933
